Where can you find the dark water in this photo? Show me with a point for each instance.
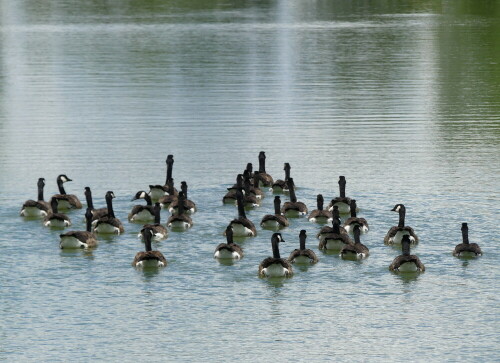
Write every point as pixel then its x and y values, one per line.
pixel 404 100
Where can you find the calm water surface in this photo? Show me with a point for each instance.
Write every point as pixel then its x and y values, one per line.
pixel 404 100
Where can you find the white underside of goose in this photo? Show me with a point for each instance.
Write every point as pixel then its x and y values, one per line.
pixel 240 230
pixel 398 237
pixel 105 228
pixel 71 242
pixel 350 227
pixel 187 211
pixel 226 254
pixel 149 264
pixel 32 212
pixel 57 223
pixel 302 260
pixel 275 270
pixel 271 224
pixel 467 254
pixel 321 220
pixel 334 244
pixel 408 267
pixel 156 236
pixel 352 256
pixel 156 193
pixel 143 216
pixel 343 208
pixel 179 224
pixel 292 213
pixel 63 204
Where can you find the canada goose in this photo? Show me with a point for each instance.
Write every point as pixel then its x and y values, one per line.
pixel 276 220
pixel 275 266
pixel 159 231
pixel 229 250
pixel 335 238
pixel 343 202
pixel 266 180
pixel 357 250
pixel 254 181
pixel 395 234
pixel 166 200
pixel 80 239
pixel 142 213
pixel 353 220
pixel 327 229
pixel 149 258
pixel 293 208
pixel 66 201
pixel 281 186
pixel 406 262
pixel 250 199
pixel 466 249
pixel 230 196
pixel 242 226
pixel 320 215
pixel 189 205
pixel 96 213
pixel 55 219
pixel 158 191
pixel 109 223
pixel 36 208
pixel 181 219
pixel 303 254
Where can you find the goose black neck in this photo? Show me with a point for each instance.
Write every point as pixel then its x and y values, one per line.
pixel 170 186
pixel 342 184
pixel 147 240
pixel 170 166
pixel 336 225
pixel 239 181
pixel 147 198
pixel 229 235
pixel 287 171
pixel 88 219
pixel 291 188
pixel 335 212
pixel 402 213
pixel 181 200
pixel 302 240
pixel 277 205
pixel 109 204
pixel 156 211
pixel 320 201
pixel 262 162
pixel 40 190
pixel 60 186
pixel 356 233
pixel 53 205
pixel 405 246
pixel 249 168
pixel 88 197
pixel 246 184
pixel 256 180
pixel 465 233
pixel 353 208
pixel 241 208
pixel 184 188
pixel 276 250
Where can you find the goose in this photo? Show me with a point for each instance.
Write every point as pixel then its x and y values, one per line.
pixel 357 250
pixel 303 255
pixel 242 226
pixel 335 238
pixel 66 201
pixel 149 258
pixel 159 232
pixel 320 215
pixel 266 180
pixel 80 239
pixel 275 266
pixel 96 213
pixel 181 219
pixel 276 220
pixel 395 234
pixel 166 200
pixel 254 180
pixel 142 213
pixel 327 229
pixel 281 186
pixel 229 250
pixel 293 208
pixel 353 220
pixel 343 202
pixel 230 196
pixel 158 191
pixel 406 262
pixel 55 219
pixel 466 249
pixel 250 199
pixel 189 206
pixel 109 223
pixel 36 208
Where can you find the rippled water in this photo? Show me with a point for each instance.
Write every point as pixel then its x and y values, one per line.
pixel 401 99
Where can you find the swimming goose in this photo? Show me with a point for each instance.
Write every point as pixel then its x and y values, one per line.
pixel 242 226
pixel 320 215
pixel 281 186
pixel 142 213
pixel 96 213
pixel 159 231
pixel 406 262
pixel 158 191
pixel 293 208
pixel 353 220
pixel 303 254
pixel 250 199
pixel 149 258
pixel 277 220
pixel 335 238
pixel 356 251
pixel 230 196
pixel 327 229
pixel 55 219
pixel 229 250
pixel 275 266
pixel 395 234
pixel 466 249
pixel 189 205
pixel 171 196
pixel 181 219
pixel 80 239
pixel 343 202
pixel 36 208
pixel 66 201
pixel 266 180
pixel 109 223
pixel 254 181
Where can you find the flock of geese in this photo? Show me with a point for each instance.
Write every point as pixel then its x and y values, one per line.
pixel 246 193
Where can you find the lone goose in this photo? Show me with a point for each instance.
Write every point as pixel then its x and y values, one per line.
pixel 229 250
pixel 181 219
pixel 189 205
pixel 80 239
pixel 277 220
pixel 335 238
pixel 142 213
pixel 303 254
pixel 275 266
pixel 159 231
pixel 320 215
pixel 356 251
pixel 96 213
pixel 406 262
pixel 230 196
pixel 149 258
pixel 293 208
pixel 343 202
pixel 395 234
pixel 36 208
pixel 281 186
pixel 353 220
pixel 66 201
pixel 266 180
pixel 108 223
pixel 172 195
pixel 466 249
pixel 242 226
pixel 158 191
pixel 55 219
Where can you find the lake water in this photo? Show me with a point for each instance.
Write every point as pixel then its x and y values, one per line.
pixel 404 100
